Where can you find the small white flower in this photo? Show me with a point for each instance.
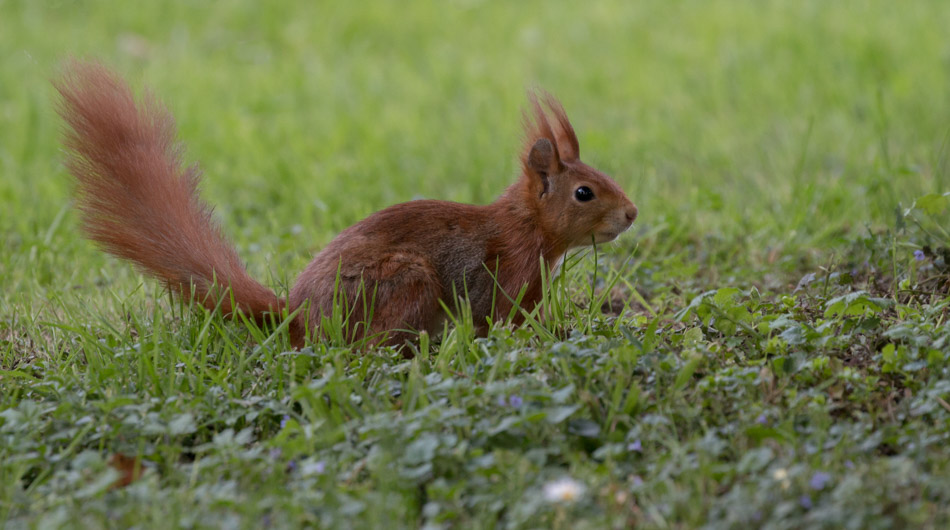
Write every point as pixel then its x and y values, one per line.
pixel 563 490
pixel 781 475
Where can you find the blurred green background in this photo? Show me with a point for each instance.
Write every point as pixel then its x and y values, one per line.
pixel 778 124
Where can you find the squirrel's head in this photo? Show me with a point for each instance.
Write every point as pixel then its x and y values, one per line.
pixel 575 204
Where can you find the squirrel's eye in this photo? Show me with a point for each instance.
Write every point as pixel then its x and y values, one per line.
pixel 583 194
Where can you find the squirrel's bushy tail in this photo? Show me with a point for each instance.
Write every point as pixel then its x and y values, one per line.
pixel 139 203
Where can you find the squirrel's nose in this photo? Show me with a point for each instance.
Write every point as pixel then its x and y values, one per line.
pixel 631 212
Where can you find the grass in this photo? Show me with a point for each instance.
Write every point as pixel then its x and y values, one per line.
pixel 773 353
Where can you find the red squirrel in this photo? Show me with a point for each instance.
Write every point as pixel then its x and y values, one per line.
pixel 396 271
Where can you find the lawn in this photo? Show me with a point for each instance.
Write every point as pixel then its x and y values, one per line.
pixel 768 346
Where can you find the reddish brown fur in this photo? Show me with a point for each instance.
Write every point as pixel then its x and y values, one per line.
pixel 405 261
pixel 137 200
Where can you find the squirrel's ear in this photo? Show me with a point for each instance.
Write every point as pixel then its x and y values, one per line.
pixel 543 160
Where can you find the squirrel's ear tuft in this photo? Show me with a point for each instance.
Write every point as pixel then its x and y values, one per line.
pixel 565 137
pixel 539 157
pixel 549 143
